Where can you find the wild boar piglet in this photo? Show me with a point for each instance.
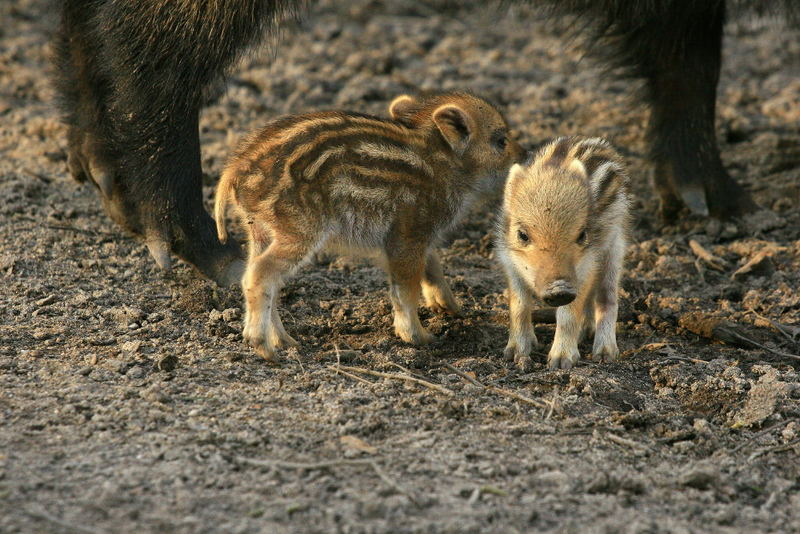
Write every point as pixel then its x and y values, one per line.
pixel 383 188
pixel 561 237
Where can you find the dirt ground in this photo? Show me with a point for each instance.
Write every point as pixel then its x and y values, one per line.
pixel 130 404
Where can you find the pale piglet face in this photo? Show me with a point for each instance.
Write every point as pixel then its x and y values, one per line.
pixel 547 234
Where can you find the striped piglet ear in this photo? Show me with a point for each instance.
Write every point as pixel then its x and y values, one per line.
pixel 607 179
pixel 403 107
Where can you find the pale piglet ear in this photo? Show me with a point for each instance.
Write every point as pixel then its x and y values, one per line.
pixel 515 173
pixel 455 125
pixel 403 107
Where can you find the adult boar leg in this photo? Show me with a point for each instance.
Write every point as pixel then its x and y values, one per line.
pixel 130 78
pixel 680 60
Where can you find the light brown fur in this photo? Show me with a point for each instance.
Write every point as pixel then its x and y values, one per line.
pixel 562 237
pixel 377 187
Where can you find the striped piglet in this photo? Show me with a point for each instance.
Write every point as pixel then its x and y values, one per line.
pixel 384 188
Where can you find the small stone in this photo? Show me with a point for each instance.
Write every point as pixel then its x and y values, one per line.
pixel 683 446
pixel 84 371
pixel 231 314
pixel 47 300
pixel 214 316
pixel 700 477
pixel 167 363
pixel 233 356
pixel 136 372
pixel 729 231
pixel 132 346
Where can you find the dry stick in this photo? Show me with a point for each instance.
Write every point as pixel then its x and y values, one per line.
pixel 778 326
pixel 495 389
pixel 339 364
pixel 761 433
pixel 552 404
pixel 463 375
pixel 41 514
pixel 350 375
pixel 514 395
pixel 333 463
pixel 777 448
pixel 626 442
pixel 398 376
pixel 763 347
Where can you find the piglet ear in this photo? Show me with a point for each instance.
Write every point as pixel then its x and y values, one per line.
pixel 403 107
pixel 515 174
pixel 608 180
pixel 455 125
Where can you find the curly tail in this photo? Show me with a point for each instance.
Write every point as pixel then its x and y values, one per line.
pixel 221 200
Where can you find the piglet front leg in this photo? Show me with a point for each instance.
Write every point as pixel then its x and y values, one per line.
pixel 522 337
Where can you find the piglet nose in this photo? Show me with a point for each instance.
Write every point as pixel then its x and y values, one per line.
pixel 559 293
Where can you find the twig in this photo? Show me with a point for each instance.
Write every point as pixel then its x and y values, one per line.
pixel 463 375
pixel 761 433
pixel 497 390
pixel 309 466
pixel 783 329
pixel 406 370
pixel 345 373
pixel 394 484
pixel 626 442
pixel 552 404
pixel 350 375
pixel 777 448
pixel 41 514
pixel 334 463
pixel 398 376
pixel 514 395
pixel 714 262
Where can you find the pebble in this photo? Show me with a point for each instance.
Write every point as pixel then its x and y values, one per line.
pixel 231 314
pixel 699 477
pixel 167 363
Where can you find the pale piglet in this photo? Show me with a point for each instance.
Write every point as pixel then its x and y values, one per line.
pixel 561 237
pixel 384 188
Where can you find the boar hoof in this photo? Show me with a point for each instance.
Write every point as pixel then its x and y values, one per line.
pixel 159 249
pixel 563 359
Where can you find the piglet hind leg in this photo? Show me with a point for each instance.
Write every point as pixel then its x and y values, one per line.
pixel 261 283
pixel 606 303
pixel 405 264
pixel 521 335
pixel 435 291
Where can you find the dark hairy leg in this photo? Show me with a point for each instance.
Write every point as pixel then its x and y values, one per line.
pixel 130 78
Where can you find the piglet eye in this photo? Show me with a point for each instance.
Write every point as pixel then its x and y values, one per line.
pixel 582 238
pixel 523 237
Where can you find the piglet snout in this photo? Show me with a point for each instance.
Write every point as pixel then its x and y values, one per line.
pixel 559 293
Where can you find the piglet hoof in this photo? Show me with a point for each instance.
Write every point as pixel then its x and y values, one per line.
pixel 266 353
pixel 563 359
pixel 523 362
pixel 439 305
pixel 285 341
pixel 420 337
pixel 255 339
pixel 607 353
